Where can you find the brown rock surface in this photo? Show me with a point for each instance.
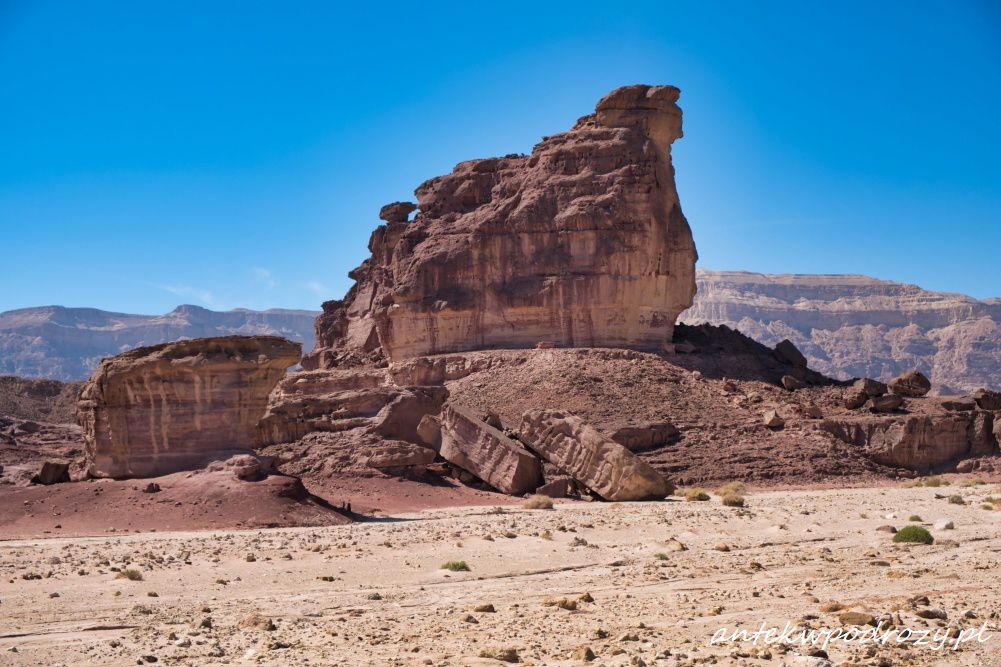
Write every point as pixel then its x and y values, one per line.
pixel 917 442
pixel 175 406
pixel 486 452
pixel 581 243
pixel 910 383
pixel 602 465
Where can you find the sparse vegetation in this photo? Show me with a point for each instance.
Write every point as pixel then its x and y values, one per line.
pixel 660 555
pixel 738 488
pixel 538 501
pixel 914 517
pixel 933 481
pixel 733 500
pixel 456 566
pixel 956 499
pixel 130 574
pixel 913 534
pixel 696 495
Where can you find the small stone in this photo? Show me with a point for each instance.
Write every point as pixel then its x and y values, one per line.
pixel 943 524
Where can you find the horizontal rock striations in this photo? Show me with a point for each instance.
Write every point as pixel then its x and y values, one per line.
pixel 602 465
pixel 857 326
pixel 581 243
pixel 156 410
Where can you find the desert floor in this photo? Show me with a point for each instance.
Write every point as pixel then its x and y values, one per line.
pixel 633 583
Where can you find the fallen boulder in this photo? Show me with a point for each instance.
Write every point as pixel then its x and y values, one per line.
pixel 912 383
pixel 788 353
pixel 916 442
pixel 644 438
pixel 485 452
pixel 52 472
pixel 602 465
pixel 886 403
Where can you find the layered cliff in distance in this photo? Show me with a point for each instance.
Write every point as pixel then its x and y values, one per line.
pixel 581 243
pixel 67 343
pixel 857 326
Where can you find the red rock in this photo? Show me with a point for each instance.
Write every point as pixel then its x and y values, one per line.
pixel 643 438
pixel 887 403
pixel 983 442
pixel 791 383
pixel 602 465
pixel 917 442
pixel 484 451
pixel 53 472
pixel 987 400
pixel 170 407
pixel 581 243
pixel 557 488
pixel 912 383
pixel 786 352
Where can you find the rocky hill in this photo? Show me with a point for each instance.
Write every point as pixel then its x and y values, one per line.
pixel 857 326
pixel 67 343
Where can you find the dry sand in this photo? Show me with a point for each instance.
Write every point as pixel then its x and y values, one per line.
pixel 658 585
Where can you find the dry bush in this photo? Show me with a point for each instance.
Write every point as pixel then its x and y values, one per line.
pixel 738 488
pixel 733 500
pixel 537 501
pixel 693 495
pixel 130 574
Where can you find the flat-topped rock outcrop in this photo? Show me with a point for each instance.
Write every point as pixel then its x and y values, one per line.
pixel 581 243
pixel 176 406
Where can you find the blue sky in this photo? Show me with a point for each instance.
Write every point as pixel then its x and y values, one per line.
pixel 236 154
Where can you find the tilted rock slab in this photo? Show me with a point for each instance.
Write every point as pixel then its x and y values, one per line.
pixel 582 243
pixel 176 406
pixel 487 453
pixel 602 465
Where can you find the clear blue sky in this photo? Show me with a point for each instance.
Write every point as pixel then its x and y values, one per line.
pixel 236 154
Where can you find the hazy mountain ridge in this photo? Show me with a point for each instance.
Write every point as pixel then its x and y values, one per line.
pixel 853 325
pixel 67 343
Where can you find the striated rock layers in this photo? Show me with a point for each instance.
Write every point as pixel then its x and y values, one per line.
pixel 857 326
pixel 604 466
pixel 581 243
pixel 156 410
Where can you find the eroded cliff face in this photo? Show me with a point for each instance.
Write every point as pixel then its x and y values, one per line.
pixel 857 326
pixel 581 243
pixel 157 410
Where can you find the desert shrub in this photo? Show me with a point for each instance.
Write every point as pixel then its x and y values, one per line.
pixel 934 480
pixel 738 488
pixel 987 506
pixel 456 566
pixel 913 534
pixel 972 481
pixel 130 574
pixel 693 495
pixel 660 555
pixel 956 499
pixel 733 500
pixel 914 517
pixel 538 501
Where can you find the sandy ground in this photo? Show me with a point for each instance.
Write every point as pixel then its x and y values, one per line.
pixel 659 578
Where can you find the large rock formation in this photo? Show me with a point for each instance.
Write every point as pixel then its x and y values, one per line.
pixel 68 343
pixel 857 326
pixel 600 464
pixel 156 410
pixel 581 243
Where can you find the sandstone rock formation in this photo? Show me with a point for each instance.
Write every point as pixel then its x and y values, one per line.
pixel 917 442
pixel 911 383
pixel 156 410
pixel 348 420
pixel 607 468
pixel 68 343
pixel 856 326
pixel 486 452
pixel 581 243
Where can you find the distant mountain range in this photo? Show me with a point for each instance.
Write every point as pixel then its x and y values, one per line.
pixel 847 325
pixel 855 326
pixel 67 343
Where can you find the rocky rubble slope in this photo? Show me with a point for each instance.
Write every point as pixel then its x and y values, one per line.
pixel 68 343
pixel 856 326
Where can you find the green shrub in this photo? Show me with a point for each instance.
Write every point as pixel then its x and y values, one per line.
pixel 956 499
pixel 456 566
pixel 914 517
pixel 913 534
